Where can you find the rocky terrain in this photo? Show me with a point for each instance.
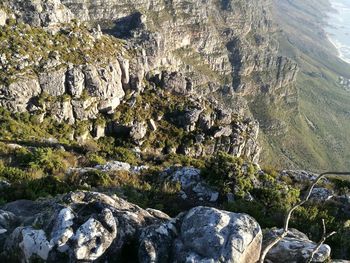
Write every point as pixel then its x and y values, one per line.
pixel 89 226
pixel 108 108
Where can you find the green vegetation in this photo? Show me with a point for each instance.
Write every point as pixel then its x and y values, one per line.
pixel 27 49
pixel 226 173
pixel 317 135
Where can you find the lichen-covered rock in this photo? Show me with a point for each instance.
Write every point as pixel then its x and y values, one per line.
pixel 62 229
pixel 95 236
pixel 28 244
pixel 295 247
pixel 83 226
pixel 211 234
pixel 203 234
pixel 156 242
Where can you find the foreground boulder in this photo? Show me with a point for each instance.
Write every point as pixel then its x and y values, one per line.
pixel 89 226
pixel 80 226
pixel 295 247
pixel 203 235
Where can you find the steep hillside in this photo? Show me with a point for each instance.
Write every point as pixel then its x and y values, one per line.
pixel 318 136
pixel 113 110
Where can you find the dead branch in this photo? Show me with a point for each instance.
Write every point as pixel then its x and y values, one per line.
pixel 290 212
pixel 321 242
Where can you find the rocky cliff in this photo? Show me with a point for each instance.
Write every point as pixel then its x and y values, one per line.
pixel 216 43
pixel 201 50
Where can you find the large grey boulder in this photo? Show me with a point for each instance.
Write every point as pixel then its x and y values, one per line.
pixel 203 235
pixel 53 82
pixel 219 236
pixel 16 96
pixel 295 247
pixel 85 109
pixel 62 111
pixel 106 84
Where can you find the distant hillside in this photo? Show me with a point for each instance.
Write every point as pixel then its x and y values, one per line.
pixel 318 131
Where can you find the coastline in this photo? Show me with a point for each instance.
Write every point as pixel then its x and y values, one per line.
pixel 338 47
pixel 344 56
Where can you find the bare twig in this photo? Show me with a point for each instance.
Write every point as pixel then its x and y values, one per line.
pixel 320 243
pixel 290 212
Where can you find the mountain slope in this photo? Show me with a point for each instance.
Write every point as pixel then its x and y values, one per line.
pixel 318 135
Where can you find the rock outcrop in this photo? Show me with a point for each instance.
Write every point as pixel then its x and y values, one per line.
pixel 88 226
pixel 203 235
pixel 186 49
pixel 206 46
pixel 192 184
pixel 77 226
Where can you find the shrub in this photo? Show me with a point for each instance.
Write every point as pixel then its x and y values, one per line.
pixel 97 179
pixel 225 172
pixel 94 159
pixel 125 155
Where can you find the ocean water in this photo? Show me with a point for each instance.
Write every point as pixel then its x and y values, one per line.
pixel 338 30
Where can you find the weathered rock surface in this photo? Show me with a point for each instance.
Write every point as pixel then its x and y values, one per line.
pixel 89 226
pixel 17 95
pixel 295 247
pixel 77 226
pixel 203 235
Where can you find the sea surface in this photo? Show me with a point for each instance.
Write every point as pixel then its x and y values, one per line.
pixel 338 30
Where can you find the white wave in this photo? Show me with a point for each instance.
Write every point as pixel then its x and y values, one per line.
pixel 343 50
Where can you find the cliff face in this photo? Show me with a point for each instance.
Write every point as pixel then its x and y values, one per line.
pixel 196 50
pixel 216 43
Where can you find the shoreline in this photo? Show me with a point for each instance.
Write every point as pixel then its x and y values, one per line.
pixel 337 45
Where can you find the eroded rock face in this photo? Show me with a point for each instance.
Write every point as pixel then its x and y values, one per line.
pixel 53 82
pixel 295 247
